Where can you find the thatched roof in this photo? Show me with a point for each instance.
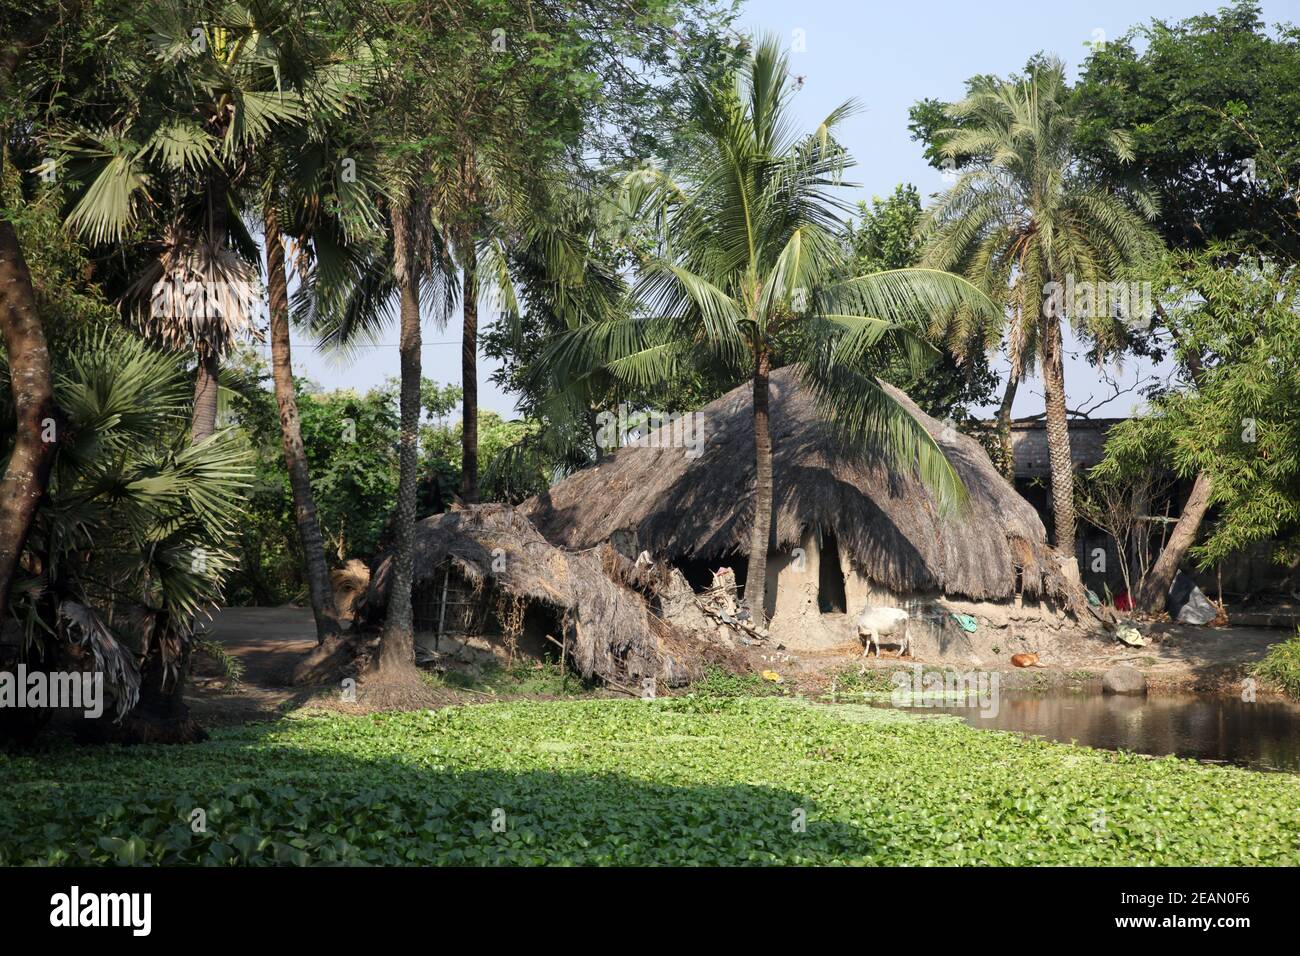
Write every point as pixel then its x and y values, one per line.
pixel 682 507
pixel 611 632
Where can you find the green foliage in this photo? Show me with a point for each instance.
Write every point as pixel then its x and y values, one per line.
pixel 350 439
pixel 351 444
pixel 69 303
pixel 1211 104
pixel 1281 667
pixel 1236 319
pixel 231 667
pixel 693 780
pixel 132 537
pixel 746 266
pixel 1022 214
pixel 886 234
pixel 718 682
pixel 134 512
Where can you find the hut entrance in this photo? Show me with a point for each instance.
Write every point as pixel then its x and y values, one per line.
pixel 455 617
pixel 830 577
pixel 699 571
pixel 449 606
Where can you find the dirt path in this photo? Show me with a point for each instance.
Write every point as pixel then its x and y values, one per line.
pixel 268 640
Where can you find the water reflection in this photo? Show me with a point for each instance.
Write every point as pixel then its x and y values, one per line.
pixel 1262 735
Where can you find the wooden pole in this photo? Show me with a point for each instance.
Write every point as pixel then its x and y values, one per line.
pixel 442 609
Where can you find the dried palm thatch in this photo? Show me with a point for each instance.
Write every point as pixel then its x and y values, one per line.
pixel 349 584
pixel 197 293
pixel 109 657
pixel 609 631
pixel 680 507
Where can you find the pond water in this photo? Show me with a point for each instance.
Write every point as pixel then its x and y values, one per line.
pixel 1264 735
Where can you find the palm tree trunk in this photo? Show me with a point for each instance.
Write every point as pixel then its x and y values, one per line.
pixel 1154 591
pixel 756 575
pixel 204 422
pixel 397 644
pixel 469 377
pixel 1058 447
pixel 1008 463
pixel 295 455
pixel 28 471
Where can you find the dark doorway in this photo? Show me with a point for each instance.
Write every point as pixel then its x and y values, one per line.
pixel 699 571
pixel 830 577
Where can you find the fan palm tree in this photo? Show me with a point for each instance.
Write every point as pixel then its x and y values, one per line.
pixel 196 106
pixel 130 543
pixel 1020 221
pixel 748 270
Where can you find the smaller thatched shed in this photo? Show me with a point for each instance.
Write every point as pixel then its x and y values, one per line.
pixel 484 573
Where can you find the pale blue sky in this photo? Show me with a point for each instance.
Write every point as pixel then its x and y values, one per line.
pixel 888 55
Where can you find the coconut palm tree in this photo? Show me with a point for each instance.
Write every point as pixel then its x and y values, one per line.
pixel 748 272
pixel 130 543
pixel 1022 221
pixel 488 198
pixel 196 105
pixel 394 265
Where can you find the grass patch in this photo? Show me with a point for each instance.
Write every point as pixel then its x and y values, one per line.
pixel 857 683
pixel 523 679
pixel 1281 667
pixel 708 780
pixel 717 682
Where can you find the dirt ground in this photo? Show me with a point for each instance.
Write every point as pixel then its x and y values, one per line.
pixel 1178 657
pixel 268 641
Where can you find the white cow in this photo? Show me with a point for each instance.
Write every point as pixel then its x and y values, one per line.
pixel 876 621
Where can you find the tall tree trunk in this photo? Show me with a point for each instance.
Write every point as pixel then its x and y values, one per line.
pixel 28 470
pixel 397 644
pixel 1058 447
pixel 1008 463
pixel 756 575
pixel 204 421
pixel 295 455
pixel 469 377
pixel 1154 592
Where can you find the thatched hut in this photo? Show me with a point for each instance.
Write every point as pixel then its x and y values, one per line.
pixel 487 585
pixel 847 532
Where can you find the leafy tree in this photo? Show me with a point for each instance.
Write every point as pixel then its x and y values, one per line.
pixel 749 266
pixel 28 26
pixel 544 85
pixel 328 75
pixel 1020 221
pixel 1212 108
pixel 1234 424
pixel 1211 103
pixel 350 441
